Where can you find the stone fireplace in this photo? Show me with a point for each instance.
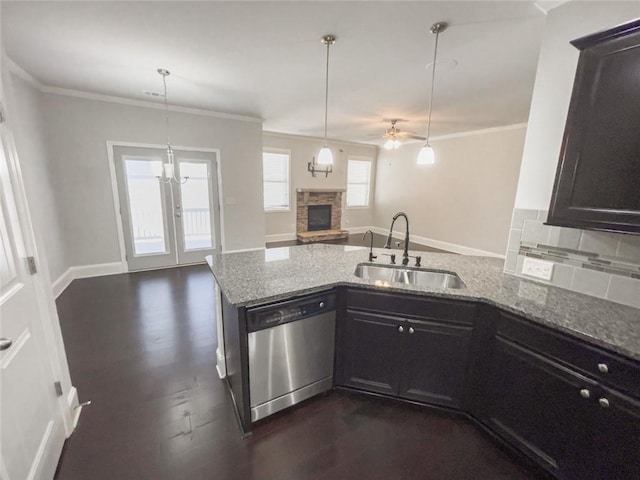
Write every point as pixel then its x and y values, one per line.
pixel 319 214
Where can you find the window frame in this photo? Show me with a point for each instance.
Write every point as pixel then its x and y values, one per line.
pixel 279 151
pixel 357 158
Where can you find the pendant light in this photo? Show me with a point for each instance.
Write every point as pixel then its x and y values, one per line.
pixel 426 156
pixel 168 168
pixel 325 157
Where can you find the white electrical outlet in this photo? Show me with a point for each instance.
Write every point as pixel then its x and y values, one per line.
pixel 537 268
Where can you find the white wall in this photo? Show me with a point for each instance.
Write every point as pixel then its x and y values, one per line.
pixel 552 91
pixel 25 116
pixel 302 150
pixel 77 130
pixel 465 199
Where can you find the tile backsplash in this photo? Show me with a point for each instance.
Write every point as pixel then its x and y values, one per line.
pixel 601 264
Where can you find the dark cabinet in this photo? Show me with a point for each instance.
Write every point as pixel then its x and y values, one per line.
pixel 596 185
pixel 368 352
pixel 538 406
pixel 615 450
pixel 434 362
pixel 560 401
pixel 413 358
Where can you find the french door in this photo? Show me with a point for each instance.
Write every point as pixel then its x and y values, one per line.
pixel 167 224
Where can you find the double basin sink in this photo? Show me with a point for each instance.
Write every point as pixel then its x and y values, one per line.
pixel 383 274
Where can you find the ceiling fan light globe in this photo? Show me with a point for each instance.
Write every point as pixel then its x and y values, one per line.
pixel 396 144
pixel 390 144
pixel 426 155
pixel 325 157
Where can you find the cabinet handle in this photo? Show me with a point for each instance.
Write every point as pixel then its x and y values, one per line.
pixel 411 330
pixel 603 368
pixel 401 329
pixel 604 403
pixel 585 393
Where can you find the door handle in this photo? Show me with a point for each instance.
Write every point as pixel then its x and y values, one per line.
pixel 178 214
pixel 5 343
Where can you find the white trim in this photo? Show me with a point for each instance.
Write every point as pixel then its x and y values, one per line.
pixel 439 244
pixel 279 237
pixel 85 271
pixel 356 230
pixel 484 131
pixel 545 6
pixel 22 73
pixel 68 92
pixel 74 408
pixel 62 282
pixel 244 250
pixel 317 139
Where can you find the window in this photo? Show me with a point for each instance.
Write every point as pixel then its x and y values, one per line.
pixel 358 178
pixel 275 171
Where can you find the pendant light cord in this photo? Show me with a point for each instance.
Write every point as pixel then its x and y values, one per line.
pixel 433 81
pixel 166 109
pixel 326 95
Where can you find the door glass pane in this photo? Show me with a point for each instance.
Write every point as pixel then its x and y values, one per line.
pixel 145 206
pixel 196 210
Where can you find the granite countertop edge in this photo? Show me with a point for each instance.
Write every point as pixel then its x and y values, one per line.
pixel 570 312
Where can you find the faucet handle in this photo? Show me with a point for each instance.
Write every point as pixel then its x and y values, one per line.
pixel 418 260
pixel 372 257
pixel 392 255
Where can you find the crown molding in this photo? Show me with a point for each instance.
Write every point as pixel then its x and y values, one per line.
pixel 293 136
pixel 484 131
pixel 545 6
pixel 68 92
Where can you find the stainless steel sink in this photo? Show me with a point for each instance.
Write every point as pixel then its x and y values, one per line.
pixel 383 274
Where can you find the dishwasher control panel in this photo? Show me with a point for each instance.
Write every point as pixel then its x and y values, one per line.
pixel 279 313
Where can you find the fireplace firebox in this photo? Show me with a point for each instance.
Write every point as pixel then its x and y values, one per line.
pixel 319 217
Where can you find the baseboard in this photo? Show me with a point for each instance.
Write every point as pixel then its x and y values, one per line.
pixel 62 282
pixel 430 242
pixel 280 237
pixel 74 408
pixel 85 271
pixel 356 230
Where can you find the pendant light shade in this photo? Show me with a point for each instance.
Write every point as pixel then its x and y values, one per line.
pixel 168 173
pixel 427 156
pixel 325 157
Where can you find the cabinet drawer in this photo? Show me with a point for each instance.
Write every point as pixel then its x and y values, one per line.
pixel 618 371
pixel 411 306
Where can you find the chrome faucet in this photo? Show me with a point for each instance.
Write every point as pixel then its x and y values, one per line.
pixel 405 254
pixel 371 255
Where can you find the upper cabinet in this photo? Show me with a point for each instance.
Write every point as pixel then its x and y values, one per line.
pixel 597 183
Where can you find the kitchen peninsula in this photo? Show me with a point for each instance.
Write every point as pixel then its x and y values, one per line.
pixel 533 364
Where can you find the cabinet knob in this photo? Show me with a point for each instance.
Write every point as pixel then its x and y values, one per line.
pixel 585 393
pixel 411 330
pixel 321 305
pixel 401 329
pixel 604 403
pixel 603 368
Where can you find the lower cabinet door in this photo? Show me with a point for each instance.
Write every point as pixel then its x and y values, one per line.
pixel 369 351
pixel 435 362
pixel 616 452
pixel 541 407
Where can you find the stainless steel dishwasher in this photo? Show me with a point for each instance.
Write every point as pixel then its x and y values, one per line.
pixel 291 347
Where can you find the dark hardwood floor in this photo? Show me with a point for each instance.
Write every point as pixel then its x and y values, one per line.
pixel 141 347
pixel 356 239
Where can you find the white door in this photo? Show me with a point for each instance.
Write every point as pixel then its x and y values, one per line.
pixel 31 424
pixel 167 224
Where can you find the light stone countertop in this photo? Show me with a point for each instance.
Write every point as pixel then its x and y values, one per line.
pixel 264 276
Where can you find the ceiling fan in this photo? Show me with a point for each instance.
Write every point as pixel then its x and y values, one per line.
pixel 393 135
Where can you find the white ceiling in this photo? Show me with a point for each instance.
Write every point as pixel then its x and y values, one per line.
pixel 265 59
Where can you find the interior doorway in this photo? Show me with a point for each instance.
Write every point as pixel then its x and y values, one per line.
pixel 167 224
